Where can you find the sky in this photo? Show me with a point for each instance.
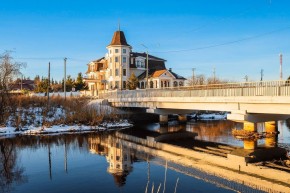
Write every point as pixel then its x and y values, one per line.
pixel 234 38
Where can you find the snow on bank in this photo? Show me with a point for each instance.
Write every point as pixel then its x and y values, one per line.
pixel 31 130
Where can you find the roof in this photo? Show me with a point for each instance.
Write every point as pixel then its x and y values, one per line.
pixel 154 63
pixel 156 73
pixel 176 75
pixel 119 39
pixel 144 54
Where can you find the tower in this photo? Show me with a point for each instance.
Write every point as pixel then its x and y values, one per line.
pixel 118 61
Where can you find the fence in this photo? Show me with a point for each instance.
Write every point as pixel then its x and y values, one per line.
pixel 262 88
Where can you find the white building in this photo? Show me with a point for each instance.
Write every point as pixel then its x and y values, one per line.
pixel 113 70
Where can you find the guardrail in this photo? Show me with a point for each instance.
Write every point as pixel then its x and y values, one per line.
pixel 261 88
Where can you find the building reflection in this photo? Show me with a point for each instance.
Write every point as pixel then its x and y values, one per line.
pixel 119 157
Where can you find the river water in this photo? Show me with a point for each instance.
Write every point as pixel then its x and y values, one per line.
pixel 99 162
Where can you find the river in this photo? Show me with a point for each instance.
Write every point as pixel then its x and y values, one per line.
pixel 99 162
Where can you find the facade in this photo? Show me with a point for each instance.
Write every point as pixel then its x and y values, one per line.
pixel 114 69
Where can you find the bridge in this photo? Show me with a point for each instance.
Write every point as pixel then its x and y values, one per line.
pixel 247 101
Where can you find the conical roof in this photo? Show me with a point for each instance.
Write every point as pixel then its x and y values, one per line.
pixel 119 39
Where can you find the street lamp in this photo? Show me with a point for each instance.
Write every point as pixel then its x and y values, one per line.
pixel 146 64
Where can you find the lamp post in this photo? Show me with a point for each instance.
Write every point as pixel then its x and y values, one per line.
pixel 146 64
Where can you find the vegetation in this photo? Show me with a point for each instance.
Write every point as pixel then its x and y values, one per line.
pixel 132 82
pixel 203 80
pixel 41 84
pixel 34 111
pixel 9 70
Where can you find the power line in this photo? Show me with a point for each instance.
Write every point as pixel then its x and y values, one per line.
pixel 226 43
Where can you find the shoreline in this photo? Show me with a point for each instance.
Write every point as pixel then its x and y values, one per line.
pixel 5 132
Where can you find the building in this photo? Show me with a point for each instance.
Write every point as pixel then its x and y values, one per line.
pixel 114 69
pixel 19 85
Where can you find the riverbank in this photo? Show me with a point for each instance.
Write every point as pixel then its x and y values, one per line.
pixel 61 129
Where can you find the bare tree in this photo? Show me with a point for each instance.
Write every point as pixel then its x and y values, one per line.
pixel 196 80
pixel 9 70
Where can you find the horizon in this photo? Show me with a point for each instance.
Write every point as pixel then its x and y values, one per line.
pixel 235 38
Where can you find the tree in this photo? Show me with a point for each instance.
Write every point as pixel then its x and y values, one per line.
pixel 132 82
pixel 69 83
pixel 9 70
pixel 79 83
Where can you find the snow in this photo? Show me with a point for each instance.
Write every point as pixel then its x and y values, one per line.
pixel 55 94
pixel 32 130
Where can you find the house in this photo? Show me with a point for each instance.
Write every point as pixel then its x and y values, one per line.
pixel 114 69
pixel 22 85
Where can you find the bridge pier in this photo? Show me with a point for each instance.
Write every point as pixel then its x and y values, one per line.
pixel 271 129
pixel 250 126
pixel 250 144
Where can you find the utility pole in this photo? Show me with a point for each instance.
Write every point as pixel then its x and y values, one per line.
pixel 246 78
pixel 262 74
pixel 214 77
pixel 281 61
pixel 146 65
pixel 193 77
pixel 64 79
pixel 48 84
pixel 21 81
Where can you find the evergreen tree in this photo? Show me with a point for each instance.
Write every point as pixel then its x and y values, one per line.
pixel 132 82
pixel 79 83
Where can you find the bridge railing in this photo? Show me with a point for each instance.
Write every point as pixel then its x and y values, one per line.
pixel 261 88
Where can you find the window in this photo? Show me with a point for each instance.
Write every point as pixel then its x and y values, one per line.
pixel 117 72
pixel 110 72
pixel 116 51
pixel 110 59
pixel 110 51
pixel 117 86
pixel 138 64
pixel 142 64
pixel 117 158
pixel 124 85
pixel 124 72
pixel 124 51
pixel 125 158
pixel 124 59
pixel 116 59
pixel 175 84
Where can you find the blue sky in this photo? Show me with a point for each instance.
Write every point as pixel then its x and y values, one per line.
pixel 236 37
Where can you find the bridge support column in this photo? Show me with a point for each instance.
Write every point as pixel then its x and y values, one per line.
pixel 271 127
pixel 271 139
pixel 250 144
pixel 163 119
pixel 248 126
pixel 182 118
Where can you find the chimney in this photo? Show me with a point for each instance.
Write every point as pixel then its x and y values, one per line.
pixel 170 69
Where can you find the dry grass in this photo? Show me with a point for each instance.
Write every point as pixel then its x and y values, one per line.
pixel 25 110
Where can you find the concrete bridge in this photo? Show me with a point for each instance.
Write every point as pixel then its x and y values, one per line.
pixel 247 101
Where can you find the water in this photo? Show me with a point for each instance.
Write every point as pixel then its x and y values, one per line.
pixel 102 163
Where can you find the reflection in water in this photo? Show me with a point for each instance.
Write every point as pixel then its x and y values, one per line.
pixel 10 172
pixel 119 157
pixel 88 170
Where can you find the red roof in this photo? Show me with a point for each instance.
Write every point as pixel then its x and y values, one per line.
pixel 119 39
